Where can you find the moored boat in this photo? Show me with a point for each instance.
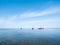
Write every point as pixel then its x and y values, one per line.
pixel 40 28
pixel 32 28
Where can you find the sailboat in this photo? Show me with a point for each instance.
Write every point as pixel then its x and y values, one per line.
pixel 40 28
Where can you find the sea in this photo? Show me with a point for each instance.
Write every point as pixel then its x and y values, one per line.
pixel 48 36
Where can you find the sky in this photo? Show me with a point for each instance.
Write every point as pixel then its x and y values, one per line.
pixel 29 13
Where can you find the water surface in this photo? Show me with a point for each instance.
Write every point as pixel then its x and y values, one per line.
pixel 30 37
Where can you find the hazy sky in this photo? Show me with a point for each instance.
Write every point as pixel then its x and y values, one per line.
pixel 29 13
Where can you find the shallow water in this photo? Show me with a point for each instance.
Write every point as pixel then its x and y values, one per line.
pixel 30 37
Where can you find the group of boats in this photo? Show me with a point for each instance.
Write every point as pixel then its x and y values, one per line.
pixel 33 28
pixel 38 28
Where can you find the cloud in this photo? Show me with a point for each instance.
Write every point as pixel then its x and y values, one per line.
pixel 31 14
pixel 12 22
pixel 44 12
pixel 47 23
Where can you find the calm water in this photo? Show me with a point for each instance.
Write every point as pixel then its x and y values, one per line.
pixel 29 37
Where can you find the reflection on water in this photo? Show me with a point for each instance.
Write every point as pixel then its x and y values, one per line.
pixel 29 37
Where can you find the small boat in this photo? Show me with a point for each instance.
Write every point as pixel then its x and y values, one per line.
pixel 40 28
pixel 21 28
pixel 32 28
